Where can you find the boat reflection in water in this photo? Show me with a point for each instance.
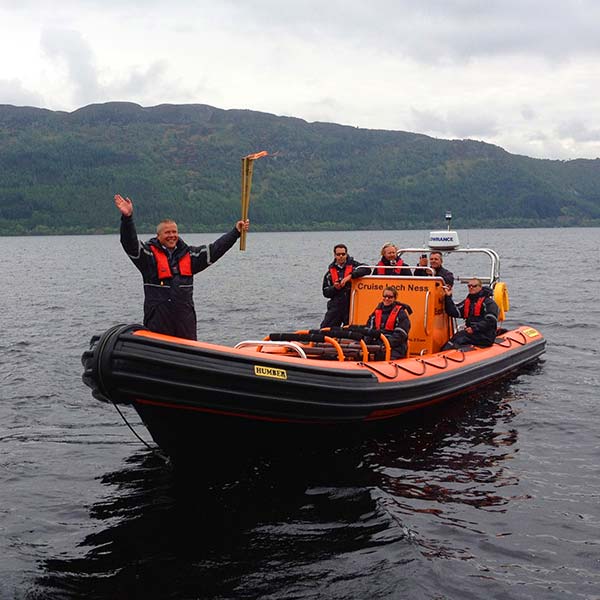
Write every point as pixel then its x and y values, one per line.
pixel 287 525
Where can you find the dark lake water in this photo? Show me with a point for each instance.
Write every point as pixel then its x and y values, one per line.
pixel 493 495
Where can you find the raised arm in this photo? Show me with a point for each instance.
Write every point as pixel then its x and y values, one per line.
pixel 129 239
pixel 204 256
pixel 125 205
pixel 243 225
pixel 449 306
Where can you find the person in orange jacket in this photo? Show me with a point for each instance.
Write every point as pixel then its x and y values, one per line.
pixel 336 286
pixel 168 266
pixel 392 319
pixel 480 312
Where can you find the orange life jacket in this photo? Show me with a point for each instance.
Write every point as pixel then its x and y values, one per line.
pixel 476 309
pixel 162 264
pixel 396 270
pixel 335 276
pixel 391 320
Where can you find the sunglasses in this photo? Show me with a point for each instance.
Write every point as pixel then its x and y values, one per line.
pixel 473 285
pixel 340 254
pixel 388 296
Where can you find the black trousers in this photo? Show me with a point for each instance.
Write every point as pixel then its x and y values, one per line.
pixel 462 338
pixel 172 318
pixel 336 315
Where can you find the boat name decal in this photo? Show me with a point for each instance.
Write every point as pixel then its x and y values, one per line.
pixel 530 332
pixel 270 372
pixel 401 287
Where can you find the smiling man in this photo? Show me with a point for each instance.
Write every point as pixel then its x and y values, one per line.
pixel 435 262
pixel 168 266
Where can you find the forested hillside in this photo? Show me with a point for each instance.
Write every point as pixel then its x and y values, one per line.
pixel 59 172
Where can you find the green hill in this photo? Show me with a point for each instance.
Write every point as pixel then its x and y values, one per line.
pixel 59 172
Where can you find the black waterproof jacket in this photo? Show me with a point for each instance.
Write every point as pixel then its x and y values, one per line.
pixel 403 269
pixel 338 306
pixel 446 275
pixel 398 334
pixel 484 325
pixel 169 303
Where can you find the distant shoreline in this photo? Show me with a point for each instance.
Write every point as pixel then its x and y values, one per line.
pixel 256 229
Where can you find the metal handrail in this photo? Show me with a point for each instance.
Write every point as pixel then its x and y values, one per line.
pixel 260 343
pixel 372 267
pixel 426 315
pixel 491 254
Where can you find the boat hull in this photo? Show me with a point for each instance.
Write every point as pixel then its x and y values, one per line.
pixel 186 391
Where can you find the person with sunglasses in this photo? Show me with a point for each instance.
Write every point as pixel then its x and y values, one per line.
pixel 391 318
pixel 480 312
pixel 336 286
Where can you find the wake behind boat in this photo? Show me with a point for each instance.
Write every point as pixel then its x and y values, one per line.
pixel 307 380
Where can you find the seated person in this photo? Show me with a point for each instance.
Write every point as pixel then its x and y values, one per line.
pixel 481 314
pixel 391 318
pixel 435 262
pixel 389 258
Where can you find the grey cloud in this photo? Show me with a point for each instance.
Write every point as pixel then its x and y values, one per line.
pixel 427 120
pixel 70 47
pixel 578 131
pixel 458 124
pixel 437 30
pixel 324 110
pixel 141 81
pixel 147 84
pixel 536 136
pixel 528 113
pixel 13 92
pixel 428 31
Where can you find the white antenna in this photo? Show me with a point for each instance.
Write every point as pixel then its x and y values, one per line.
pixel 448 218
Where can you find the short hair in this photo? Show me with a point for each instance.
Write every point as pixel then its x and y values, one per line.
pixel 387 245
pixel 438 253
pixel 164 222
pixel 391 288
pixel 340 246
pixel 479 282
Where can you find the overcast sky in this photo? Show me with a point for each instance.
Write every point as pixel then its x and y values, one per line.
pixel 522 74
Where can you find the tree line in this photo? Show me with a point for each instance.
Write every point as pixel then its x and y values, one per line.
pixel 59 172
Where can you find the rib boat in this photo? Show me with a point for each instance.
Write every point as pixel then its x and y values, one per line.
pixel 307 381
